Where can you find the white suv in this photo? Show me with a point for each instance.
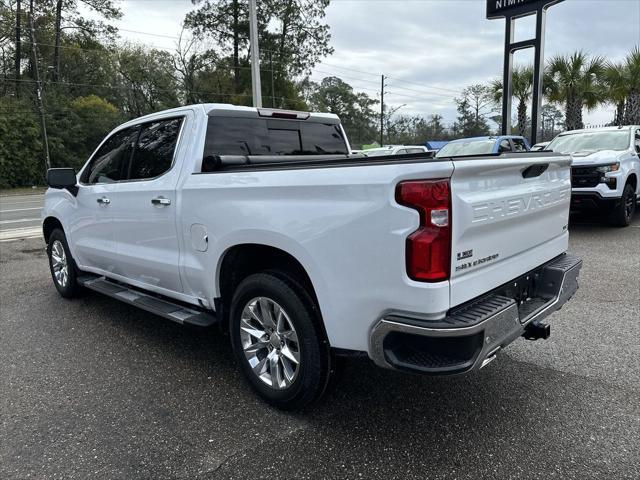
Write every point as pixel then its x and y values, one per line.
pixel 605 169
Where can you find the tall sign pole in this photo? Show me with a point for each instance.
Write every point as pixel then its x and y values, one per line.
pixel 511 10
pixel 255 54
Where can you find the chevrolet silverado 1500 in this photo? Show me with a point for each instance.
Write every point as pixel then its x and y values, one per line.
pixel 261 221
pixel 605 170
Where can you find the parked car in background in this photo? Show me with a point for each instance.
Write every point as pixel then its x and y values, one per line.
pixel 539 146
pixel 394 150
pixel 210 214
pixel 605 170
pixel 435 145
pixel 484 146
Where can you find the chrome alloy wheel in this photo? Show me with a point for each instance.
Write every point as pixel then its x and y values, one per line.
pixel 59 264
pixel 270 342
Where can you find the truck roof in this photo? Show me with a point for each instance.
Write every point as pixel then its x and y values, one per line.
pixel 488 137
pixel 600 129
pixel 209 108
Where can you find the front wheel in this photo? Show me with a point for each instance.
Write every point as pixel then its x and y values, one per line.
pixel 622 214
pixel 62 266
pixel 278 341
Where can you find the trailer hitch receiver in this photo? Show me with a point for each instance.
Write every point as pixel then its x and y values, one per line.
pixel 537 330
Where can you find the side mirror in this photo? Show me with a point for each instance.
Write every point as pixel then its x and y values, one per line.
pixel 63 178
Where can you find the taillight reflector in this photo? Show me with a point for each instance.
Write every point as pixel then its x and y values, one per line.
pixel 428 249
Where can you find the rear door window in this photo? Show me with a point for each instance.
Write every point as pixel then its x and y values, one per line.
pixel 154 151
pixel 110 162
pixel 256 136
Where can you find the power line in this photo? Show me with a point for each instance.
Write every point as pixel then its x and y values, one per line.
pixel 436 94
pixel 128 88
pixel 339 75
pixel 457 92
pixel 148 33
pixel 322 63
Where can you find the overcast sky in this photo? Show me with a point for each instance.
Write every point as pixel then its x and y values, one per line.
pixel 429 49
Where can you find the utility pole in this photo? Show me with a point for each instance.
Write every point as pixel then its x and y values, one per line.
pixel 255 54
pixel 273 87
pixel 382 112
pixel 18 44
pixel 43 123
pixel 56 51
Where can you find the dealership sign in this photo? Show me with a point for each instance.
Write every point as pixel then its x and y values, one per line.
pixel 511 10
pixel 508 8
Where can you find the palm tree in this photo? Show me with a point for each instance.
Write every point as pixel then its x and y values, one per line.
pixel 631 74
pixel 616 89
pixel 522 89
pixel 575 82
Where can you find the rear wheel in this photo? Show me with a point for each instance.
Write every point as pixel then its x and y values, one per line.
pixel 278 342
pixel 63 268
pixel 622 214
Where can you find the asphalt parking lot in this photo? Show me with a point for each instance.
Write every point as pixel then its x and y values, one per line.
pixel 93 388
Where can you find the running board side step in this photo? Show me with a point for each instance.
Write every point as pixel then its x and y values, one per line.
pixel 162 307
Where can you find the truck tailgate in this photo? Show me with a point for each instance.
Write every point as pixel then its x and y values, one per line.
pixel 509 215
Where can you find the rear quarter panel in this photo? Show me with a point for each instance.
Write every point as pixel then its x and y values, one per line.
pixel 342 224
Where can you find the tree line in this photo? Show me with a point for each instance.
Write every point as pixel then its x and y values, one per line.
pixel 92 81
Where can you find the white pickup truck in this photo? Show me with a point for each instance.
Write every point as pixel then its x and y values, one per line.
pixel 262 222
pixel 605 170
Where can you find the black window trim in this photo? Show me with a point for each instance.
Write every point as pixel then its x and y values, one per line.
pixel 139 126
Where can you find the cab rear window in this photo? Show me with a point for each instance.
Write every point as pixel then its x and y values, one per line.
pixel 256 136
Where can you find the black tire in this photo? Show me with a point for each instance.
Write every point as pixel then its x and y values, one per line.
pixel 313 371
pixel 68 288
pixel 622 213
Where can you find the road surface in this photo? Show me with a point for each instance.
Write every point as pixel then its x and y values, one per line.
pixel 20 215
pixel 96 389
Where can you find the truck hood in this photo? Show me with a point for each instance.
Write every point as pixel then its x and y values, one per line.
pixel 596 158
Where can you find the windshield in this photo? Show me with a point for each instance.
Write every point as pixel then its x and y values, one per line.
pixel 590 141
pixel 472 147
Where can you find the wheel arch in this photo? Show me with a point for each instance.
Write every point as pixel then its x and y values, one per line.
pixel 632 180
pixel 49 225
pixel 242 260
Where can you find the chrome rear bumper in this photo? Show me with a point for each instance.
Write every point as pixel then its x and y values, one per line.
pixel 471 335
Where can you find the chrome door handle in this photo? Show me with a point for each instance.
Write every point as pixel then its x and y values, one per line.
pixel 161 201
pixel 103 200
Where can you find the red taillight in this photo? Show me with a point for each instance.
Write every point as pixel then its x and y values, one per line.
pixel 429 247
